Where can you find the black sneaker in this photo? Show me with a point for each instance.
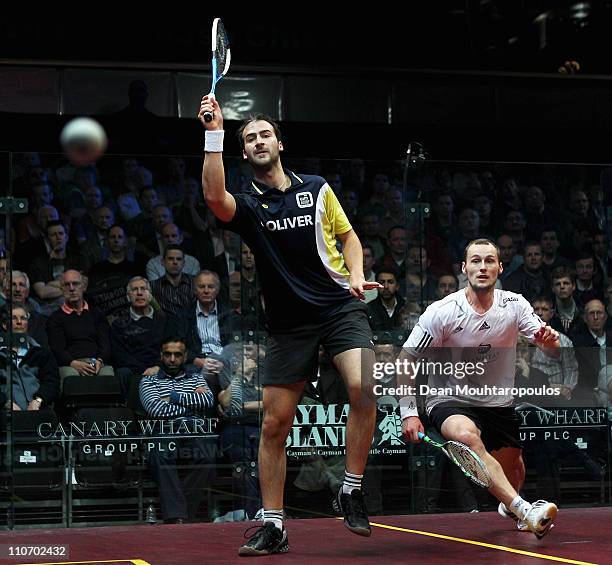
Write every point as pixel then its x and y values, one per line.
pixel 353 508
pixel 268 539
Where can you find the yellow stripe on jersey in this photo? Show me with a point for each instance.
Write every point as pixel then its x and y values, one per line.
pixel 330 220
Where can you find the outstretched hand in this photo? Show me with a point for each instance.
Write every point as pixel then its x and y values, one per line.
pixel 359 285
pixel 546 336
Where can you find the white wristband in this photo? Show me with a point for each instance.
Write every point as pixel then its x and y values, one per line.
pixel 213 141
pixel 408 407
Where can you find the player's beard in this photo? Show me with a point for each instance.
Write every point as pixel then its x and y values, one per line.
pixel 266 165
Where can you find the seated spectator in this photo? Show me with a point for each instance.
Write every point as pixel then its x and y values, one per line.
pixel 129 212
pixel 561 372
pixel 550 245
pixel 84 228
pixel 108 278
pixel 191 213
pixel 443 219
pixel 395 257
pixel 204 321
pixel 587 288
pixel 409 314
pixel 531 280
pixel 79 335
pixel 136 340
pixel 243 317
pixel 515 226
pixel 394 210
pixel 174 290
pixel 148 200
pixel 172 190
pixel 468 229
pixel 20 296
pixel 34 371
pixel 153 242
pixel 581 212
pixel 177 395
pixel 384 312
pixel 537 214
pixel 250 292
pixel 593 344
pixel 418 273
pixel 171 235
pixel 508 256
pixel 603 262
pixel 95 249
pixel 483 205
pixel 377 203
pixel 447 284
pixel 370 232
pixel 567 317
pixel 46 270
pixel 36 243
pixel 27 227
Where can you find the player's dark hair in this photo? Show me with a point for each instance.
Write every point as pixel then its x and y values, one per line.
pixel 256 118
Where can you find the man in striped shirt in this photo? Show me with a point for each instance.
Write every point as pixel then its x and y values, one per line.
pixel 183 397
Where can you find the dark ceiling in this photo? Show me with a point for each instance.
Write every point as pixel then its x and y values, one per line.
pixel 490 35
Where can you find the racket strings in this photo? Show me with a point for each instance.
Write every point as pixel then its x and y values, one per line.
pixel 470 462
pixel 221 49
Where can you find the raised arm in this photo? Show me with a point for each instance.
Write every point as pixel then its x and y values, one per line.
pixel 220 201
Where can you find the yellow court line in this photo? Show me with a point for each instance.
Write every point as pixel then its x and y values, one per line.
pixel 483 544
pixel 132 561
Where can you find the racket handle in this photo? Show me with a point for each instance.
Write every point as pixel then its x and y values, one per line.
pixel 421 435
pixel 208 117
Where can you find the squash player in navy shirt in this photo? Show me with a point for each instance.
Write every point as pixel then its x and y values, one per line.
pixel 313 296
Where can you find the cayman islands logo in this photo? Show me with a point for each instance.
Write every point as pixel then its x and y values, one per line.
pixel 391 424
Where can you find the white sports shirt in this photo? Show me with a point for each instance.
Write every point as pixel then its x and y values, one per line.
pixel 488 341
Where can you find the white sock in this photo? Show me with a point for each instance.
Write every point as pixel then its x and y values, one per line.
pixel 274 516
pixel 519 507
pixel 351 482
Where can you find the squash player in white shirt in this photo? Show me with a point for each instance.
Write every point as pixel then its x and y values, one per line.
pixel 481 323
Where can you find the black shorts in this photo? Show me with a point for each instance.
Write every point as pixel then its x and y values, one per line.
pixel 499 427
pixel 293 356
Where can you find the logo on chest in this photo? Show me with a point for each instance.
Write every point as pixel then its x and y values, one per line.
pixel 304 200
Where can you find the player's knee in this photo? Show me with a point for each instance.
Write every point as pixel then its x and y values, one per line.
pixel 274 428
pixel 469 438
